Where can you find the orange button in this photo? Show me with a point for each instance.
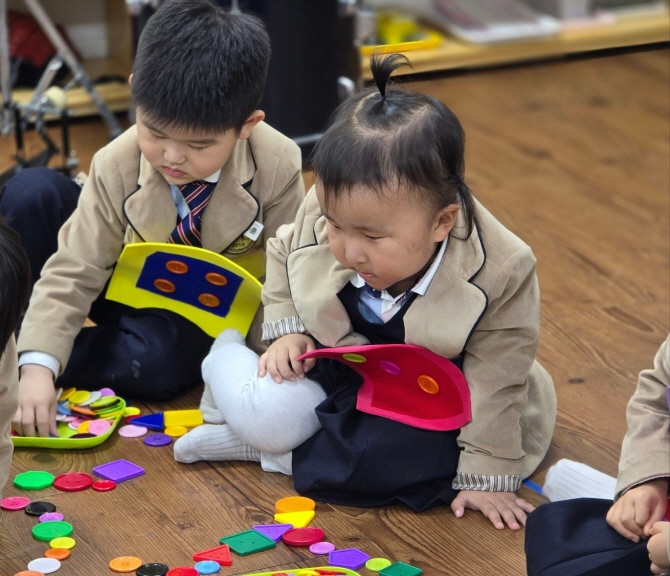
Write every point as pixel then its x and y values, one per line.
pixel 57 553
pixel 216 279
pixel 294 504
pixel 177 267
pixel 428 385
pixel 209 300
pixel 164 285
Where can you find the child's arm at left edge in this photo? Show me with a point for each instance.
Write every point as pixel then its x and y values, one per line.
pixel 497 363
pixel 659 548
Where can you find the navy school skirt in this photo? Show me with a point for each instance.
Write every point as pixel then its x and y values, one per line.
pixel 359 459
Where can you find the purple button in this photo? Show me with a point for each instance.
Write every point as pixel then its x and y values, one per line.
pixel 107 392
pixel 390 367
pixel 157 440
pixel 322 548
pixel 51 517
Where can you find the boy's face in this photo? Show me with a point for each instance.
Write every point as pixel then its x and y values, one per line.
pixel 183 156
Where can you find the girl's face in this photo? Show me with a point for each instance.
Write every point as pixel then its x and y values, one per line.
pixel 388 239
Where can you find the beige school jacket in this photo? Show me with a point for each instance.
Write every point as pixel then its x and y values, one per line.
pixel 484 301
pixel 645 453
pixel 125 200
pixel 9 402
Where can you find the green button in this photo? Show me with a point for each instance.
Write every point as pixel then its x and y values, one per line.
pixel 376 564
pixel 34 480
pixel 47 531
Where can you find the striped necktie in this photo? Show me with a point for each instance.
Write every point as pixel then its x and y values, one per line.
pixel 197 195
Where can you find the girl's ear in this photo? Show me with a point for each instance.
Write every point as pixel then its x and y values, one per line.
pixel 444 221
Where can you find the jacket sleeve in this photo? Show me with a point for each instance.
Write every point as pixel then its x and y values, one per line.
pixel 280 316
pixel 89 244
pixel 645 453
pixel 498 359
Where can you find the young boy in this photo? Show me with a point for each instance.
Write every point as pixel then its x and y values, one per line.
pixel 14 286
pixel 572 537
pixel 200 168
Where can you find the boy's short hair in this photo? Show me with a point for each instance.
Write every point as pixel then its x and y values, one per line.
pixel 14 282
pixel 200 68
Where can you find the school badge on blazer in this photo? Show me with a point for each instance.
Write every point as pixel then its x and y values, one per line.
pixel 406 383
pixel 208 289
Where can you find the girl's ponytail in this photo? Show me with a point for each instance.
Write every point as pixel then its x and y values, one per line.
pixel 467 202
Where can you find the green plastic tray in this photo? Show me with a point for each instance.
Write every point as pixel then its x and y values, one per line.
pixel 67 443
pixel 305 571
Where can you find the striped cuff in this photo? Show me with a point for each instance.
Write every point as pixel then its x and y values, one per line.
pixel 498 483
pixel 283 327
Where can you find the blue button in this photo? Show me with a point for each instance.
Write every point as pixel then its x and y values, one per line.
pixel 207 567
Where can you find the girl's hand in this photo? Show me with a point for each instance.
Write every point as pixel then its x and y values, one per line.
pixel 281 358
pixel 37 402
pixel 496 506
pixel 658 548
pixel 639 509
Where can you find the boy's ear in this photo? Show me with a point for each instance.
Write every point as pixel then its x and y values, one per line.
pixel 250 123
pixel 445 221
pixel 130 79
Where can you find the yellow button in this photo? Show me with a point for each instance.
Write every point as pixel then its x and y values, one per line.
pixel 355 358
pixel 65 394
pixel 83 427
pixel 176 431
pixel 79 397
pixel 428 385
pixel 131 411
pixel 63 542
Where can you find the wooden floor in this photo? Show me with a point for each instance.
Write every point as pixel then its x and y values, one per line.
pixel 574 158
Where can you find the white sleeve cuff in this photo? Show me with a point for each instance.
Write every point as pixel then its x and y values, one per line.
pixel 487 483
pixel 41 359
pixel 274 330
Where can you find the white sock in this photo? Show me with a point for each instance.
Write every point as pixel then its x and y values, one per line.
pixel 213 442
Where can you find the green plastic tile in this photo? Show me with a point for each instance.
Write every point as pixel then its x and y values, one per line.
pixel 248 542
pixel 400 569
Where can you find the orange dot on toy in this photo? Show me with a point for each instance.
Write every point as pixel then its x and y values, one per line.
pixel 294 504
pixel 428 385
pixel 209 300
pixel 216 279
pixel 164 285
pixel 57 553
pixel 177 267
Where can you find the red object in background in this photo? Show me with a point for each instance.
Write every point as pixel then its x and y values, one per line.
pixel 406 383
pixel 28 42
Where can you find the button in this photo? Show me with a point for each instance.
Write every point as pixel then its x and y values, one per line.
pixel 57 553
pixel 79 397
pixel 73 482
pixel 377 564
pixel 428 385
pixel 303 536
pixel 176 431
pixel 177 267
pixel 207 567
pixel 153 569
pixel 164 285
pixel 51 517
pixel 64 542
pixel 107 392
pixel 157 440
pixel 14 503
pixel 29 573
pixel 322 548
pixel 183 571
pixel 355 358
pixel 39 508
pixel 99 427
pixel 65 394
pixel 34 480
pixel 103 485
pixel 125 564
pixel 216 279
pixel 209 300
pixel 131 411
pixel 44 565
pixel 83 427
pixel 132 431
pixel 390 367
pixel 105 402
pixel 294 504
pixel 47 531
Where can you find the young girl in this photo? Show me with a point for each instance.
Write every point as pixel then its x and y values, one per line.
pixel 14 286
pixel 589 537
pixel 388 247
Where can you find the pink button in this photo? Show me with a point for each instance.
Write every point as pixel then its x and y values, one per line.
pixel 322 548
pixel 107 392
pixel 132 431
pixel 390 367
pixel 51 517
pixel 99 427
pixel 14 503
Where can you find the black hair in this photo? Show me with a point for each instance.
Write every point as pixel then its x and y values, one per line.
pixel 200 68
pixel 14 283
pixel 386 137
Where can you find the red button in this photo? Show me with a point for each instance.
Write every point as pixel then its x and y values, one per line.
pixel 73 482
pixel 103 485
pixel 182 571
pixel 303 536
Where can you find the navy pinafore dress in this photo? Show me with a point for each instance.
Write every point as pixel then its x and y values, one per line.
pixel 359 459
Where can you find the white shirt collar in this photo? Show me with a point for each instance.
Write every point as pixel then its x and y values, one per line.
pixel 421 287
pixel 214 178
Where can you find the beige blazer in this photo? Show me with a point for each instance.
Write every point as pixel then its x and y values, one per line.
pixel 9 403
pixel 125 200
pixel 645 453
pixel 483 301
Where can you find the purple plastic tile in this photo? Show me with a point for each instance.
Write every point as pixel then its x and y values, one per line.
pixel 118 471
pixel 273 531
pixel 351 558
pixel 157 440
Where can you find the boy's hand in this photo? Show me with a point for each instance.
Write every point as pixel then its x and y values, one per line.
pixel 639 509
pixel 658 548
pixel 281 358
pixel 496 506
pixel 37 402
